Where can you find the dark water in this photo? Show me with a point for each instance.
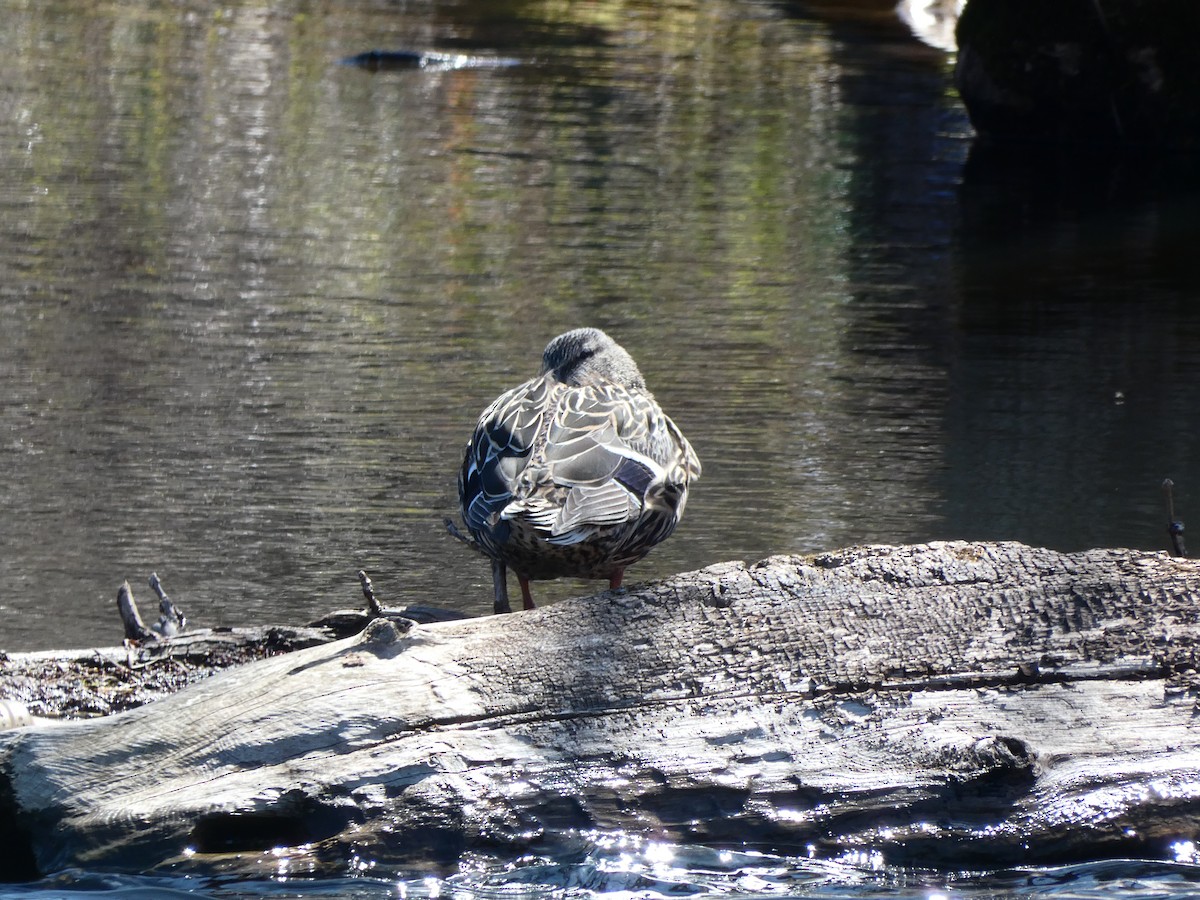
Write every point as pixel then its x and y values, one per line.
pixel 252 300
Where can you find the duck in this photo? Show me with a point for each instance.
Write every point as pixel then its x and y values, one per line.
pixel 576 472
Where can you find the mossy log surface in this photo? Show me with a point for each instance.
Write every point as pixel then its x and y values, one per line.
pixel 951 704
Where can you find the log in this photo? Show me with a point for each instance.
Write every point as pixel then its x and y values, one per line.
pixel 159 660
pixel 951 704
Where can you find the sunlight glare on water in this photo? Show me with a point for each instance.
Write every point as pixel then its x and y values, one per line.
pixel 621 867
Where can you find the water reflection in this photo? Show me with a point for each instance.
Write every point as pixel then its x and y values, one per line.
pixel 612 871
pixel 1077 324
pixel 253 299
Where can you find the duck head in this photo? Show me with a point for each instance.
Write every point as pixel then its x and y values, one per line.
pixel 589 356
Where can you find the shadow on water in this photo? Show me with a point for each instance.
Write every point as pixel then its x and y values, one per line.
pixel 907 138
pixel 1078 363
pixel 1022 320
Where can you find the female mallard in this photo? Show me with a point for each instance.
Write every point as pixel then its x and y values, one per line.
pixel 576 472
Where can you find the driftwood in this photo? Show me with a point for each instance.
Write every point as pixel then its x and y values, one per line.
pixel 949 704
pixel 171 620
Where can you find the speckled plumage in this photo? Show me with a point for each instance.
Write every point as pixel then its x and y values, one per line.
pixel 576 472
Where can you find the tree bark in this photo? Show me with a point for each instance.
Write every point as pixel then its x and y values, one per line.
pixel 950 704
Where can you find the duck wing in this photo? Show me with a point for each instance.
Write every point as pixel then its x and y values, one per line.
pixel 569 461
pixel 499 451
pixel 605 446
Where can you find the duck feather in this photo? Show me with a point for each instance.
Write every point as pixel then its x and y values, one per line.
pixel 577 471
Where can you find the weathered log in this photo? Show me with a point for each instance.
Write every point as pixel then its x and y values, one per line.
pixel 946 704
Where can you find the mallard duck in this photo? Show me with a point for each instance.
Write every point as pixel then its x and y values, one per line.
pixel 576 472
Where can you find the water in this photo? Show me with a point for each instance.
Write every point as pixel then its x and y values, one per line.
pixel 252 300
pixel 619 870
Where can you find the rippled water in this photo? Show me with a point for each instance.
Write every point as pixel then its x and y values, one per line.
pixel 252 300
pixel 625 869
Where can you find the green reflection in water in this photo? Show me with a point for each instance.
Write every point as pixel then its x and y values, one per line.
pixel 253 299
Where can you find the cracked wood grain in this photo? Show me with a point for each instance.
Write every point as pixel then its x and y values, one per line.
pixel 944 703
